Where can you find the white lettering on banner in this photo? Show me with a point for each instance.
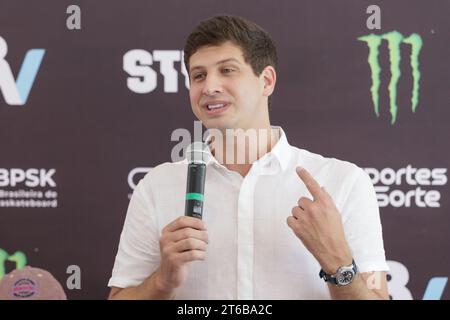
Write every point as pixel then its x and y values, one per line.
pixel 398 279
pixel 30 178
pixel 16 91
pixel 166 60
pixel 133 180
pixel 132 176
pixel 137 63
pixel 421 178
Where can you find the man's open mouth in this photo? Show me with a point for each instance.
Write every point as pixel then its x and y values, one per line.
pixel 216 107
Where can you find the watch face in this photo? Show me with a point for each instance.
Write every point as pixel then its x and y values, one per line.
pixel 345 277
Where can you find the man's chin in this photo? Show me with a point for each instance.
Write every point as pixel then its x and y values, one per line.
pixel 218 124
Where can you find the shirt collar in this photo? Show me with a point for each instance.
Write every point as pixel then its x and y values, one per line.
pixel 281 151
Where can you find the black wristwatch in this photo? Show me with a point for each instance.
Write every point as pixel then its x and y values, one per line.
pixel 343 276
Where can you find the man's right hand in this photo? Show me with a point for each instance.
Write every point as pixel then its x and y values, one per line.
pixel 182 241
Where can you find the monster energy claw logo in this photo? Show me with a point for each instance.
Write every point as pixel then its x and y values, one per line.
pixel 18 257
pixel 394 39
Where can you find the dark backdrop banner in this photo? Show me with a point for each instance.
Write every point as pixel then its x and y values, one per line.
pixel 84 114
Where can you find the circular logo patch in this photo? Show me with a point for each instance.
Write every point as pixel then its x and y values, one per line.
pixel 24 288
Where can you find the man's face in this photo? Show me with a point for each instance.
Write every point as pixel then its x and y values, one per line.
pixel 224 91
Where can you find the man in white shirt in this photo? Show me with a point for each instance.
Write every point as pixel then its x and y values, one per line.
pixel 271 222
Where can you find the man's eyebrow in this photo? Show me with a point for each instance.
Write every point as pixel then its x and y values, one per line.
pixel 217 63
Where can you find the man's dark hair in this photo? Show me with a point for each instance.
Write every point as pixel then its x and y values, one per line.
pixel 257 47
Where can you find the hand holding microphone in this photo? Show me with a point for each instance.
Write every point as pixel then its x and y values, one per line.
pixel 182 241
pixel 185 239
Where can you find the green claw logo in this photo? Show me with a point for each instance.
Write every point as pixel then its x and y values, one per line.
pixel 394 39
pixel 18 257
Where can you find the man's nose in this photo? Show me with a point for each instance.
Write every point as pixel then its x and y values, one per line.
pixel 212 85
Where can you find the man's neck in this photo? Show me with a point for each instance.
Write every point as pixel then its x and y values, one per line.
pixel 239 149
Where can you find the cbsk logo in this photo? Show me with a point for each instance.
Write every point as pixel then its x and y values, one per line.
pixel 143 78
pixel 411 177
pixel 30 177
pixel 394 40
pixel 16 93
pixel 135 176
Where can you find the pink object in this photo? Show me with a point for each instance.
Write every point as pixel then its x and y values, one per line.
pixel 30 284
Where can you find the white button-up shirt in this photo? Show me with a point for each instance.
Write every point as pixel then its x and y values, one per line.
pixel 252 253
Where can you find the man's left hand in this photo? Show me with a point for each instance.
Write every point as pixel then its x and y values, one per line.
pixel 317 223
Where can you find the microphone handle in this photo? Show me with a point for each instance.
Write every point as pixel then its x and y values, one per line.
pixel 195 190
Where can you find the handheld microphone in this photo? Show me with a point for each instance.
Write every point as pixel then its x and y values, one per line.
pixel 196 154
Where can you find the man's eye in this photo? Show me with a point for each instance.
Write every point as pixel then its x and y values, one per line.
pixel 227 70
pixel 198 76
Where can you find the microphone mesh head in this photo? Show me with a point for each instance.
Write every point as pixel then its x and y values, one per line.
pixel 197 152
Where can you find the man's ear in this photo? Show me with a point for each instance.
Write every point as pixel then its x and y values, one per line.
pixel 269 76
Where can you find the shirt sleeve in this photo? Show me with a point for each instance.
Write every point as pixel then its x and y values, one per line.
pixel 362 225
pixel 138 255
